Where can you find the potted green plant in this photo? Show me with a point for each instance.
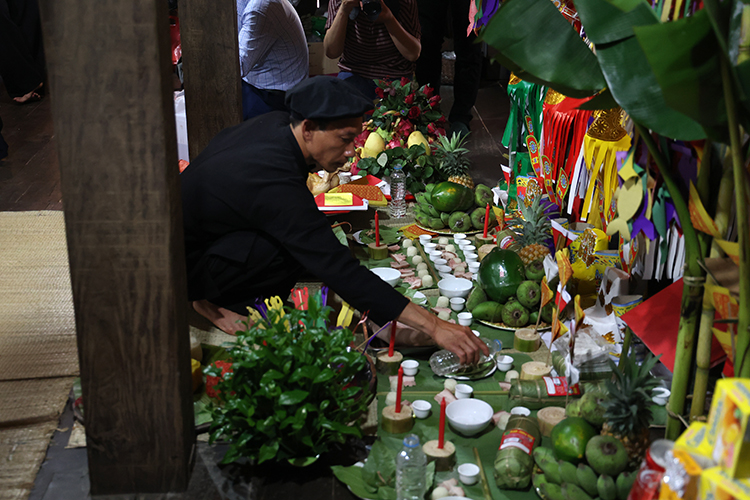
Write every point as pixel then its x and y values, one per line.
pixel 295 387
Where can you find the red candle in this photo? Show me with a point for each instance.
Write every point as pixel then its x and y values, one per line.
pixel 398 389
pixel 486 220
pixel 441 435
pixel 377 229
pixel 392 341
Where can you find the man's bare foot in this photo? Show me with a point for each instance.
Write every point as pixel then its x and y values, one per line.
pixel 30 97
pixel 225 320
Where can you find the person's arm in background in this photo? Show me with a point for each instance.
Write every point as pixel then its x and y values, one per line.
pixel 407 44
pixel 333 43
pixel 255 41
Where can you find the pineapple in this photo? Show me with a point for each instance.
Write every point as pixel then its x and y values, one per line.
pixel 454 163
pixel 627 411
pixel 532 230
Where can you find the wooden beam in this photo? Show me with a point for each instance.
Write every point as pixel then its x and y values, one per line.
pixel 211 69
pixel 110 80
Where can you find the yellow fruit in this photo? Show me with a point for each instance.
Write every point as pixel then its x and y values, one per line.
pixel 195 368
pixel 374 145
pixel 416 137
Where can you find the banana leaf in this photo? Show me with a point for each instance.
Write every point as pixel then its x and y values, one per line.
pixel 684 56
pixel 532 36
pixel 626 5
pixel 605 100
pixel 725 18
pixel 627 71
pixel 605 23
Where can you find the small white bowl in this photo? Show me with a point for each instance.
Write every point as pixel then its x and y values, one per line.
pixel 471 257
pixel 458 237
pixel 441 262
pixel 468 248
pixel 457 303
pixel 520 410
pixel 444 275
pixel 387 274
pixel 424 239
pixel 468 473
pixel 474 267
pixel 430 247
pixel 469 416
pixel 421 408
pixel 442 268
pixel 661 396
pixel 455 287
pixel 435 255
pixel 463 391
pixel 410 367
pixel 504 363
pixel 465 318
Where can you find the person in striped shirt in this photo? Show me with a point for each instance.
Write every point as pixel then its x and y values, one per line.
pixel 385 48
pixel 273 54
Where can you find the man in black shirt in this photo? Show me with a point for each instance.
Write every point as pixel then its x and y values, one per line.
pixel 251 224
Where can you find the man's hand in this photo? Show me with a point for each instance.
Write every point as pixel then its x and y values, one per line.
pixel 348 5
pixel 461 341
pixel 385 15
pixel 457 339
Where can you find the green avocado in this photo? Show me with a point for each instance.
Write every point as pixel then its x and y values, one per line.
pixel 500 274
pixel 449 197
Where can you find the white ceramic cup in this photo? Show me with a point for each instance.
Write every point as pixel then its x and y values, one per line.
pixel 424 238
pixel 421 408
pixel 504 363
pixel 471 257
pixel 430 247
pixel 465 318
pixel 661 396
pixel 468 248
pixel 410 367
pixel 473 267
pixel 457 303
pixel 458 237
pixel 435 255
pixel 443 269
pixel 468 473
pixel 520 410
pixel 444 275
pixel 441 262
pixel 463 391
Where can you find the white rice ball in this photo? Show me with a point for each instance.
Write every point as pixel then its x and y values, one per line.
pixel 420 265
pixel 422 273
pixel 438 493
pixel 411 251
pixel 444 315
pixel 511 375
pixel 450 248
pixel 427 280
pixel 443 302
pixel 390 399
pixel 450 384
pixel 407 243
pixel 417 260
pixel 443 241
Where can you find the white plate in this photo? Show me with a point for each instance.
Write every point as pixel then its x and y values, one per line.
pixel 358 240
pixel 475 377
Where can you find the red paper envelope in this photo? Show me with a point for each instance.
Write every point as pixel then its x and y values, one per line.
pixel 656 321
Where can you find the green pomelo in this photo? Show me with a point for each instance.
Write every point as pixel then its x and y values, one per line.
pixel 449 197
pixel 570 437
pixel 606 455
pixel 500 274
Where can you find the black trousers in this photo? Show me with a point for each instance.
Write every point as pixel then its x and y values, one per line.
pixel 268 271
pixel 22 66
pixel 433 18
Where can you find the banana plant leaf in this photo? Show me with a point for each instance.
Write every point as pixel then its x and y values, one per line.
pixel 627 71
pixel 725 16
pixel 605 23
pixel 605 100
pixel 535 40
pixel 626 5
pixel 684 56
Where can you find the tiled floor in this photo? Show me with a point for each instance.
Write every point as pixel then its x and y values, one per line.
pixel 29 180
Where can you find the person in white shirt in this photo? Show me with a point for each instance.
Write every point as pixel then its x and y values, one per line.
pixel 273 53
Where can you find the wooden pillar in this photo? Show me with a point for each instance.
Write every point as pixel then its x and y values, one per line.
pixel 211 69
pixel 110 78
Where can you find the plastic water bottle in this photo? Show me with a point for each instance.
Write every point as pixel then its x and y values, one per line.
pixel 398 193
pixel 445 362
pixel 411 469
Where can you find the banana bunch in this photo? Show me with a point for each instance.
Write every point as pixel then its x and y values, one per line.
pixel 561 480
pixel 452 206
